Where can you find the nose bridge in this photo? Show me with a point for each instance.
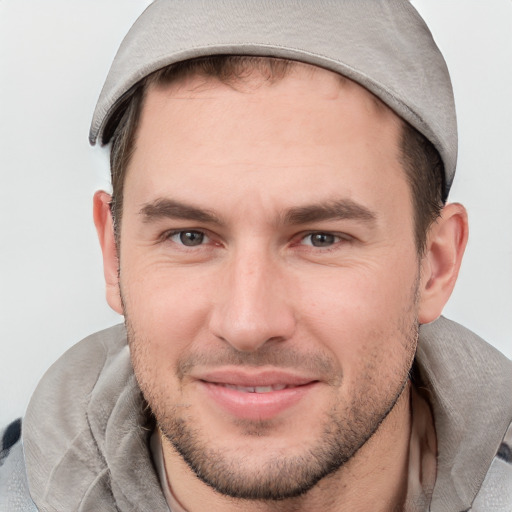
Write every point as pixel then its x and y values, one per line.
pixel 252 308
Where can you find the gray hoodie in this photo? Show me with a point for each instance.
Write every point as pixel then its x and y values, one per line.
pixel 85 440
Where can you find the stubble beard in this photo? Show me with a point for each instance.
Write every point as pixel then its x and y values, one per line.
pixel 279 476
pixel 238 474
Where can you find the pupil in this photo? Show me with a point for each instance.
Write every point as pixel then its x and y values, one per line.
pixel 322 239
pixel 191 238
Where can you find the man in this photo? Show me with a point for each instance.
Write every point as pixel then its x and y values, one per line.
pixel 278 231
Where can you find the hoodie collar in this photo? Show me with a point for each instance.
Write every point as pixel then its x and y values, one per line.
pixel 86 430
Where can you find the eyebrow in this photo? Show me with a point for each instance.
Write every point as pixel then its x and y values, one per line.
pixel 171 209
pixel 344 209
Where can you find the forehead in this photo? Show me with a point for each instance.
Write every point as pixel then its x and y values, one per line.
pixel 300 133
pixel 249 75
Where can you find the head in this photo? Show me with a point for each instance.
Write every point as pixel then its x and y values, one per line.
pixel 422 164
pixel 277 235
pixel 269 238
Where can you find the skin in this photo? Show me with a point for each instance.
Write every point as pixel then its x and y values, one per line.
pixel 261 161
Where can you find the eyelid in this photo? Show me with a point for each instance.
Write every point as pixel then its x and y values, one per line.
pixel 297 239
pixel 169 234
pixel 340 238
pixel 205 238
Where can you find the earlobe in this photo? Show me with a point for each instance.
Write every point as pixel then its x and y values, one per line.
pixel 105 230
pixel 446 242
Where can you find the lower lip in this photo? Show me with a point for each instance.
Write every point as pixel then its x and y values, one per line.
pixel 256 406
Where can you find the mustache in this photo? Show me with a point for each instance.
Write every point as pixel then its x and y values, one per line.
pixel 278 357
pixel 271 354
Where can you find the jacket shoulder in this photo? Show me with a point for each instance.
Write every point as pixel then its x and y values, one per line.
pixel 495 494
pixel 468 384
pixel 10 436
pixel 14 493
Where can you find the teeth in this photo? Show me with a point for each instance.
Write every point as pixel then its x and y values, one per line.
pixel 263 389
pixel 256 389
pixel 278 387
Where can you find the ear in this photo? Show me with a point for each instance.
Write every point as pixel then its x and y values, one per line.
pixel 105 229
pixel 446 242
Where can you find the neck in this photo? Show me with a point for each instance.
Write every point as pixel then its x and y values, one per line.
pixel 374 479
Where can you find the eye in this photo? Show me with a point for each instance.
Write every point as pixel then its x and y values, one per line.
pixel 321 239
pixel 188 238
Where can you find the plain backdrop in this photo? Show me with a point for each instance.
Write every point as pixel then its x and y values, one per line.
pixel 54 56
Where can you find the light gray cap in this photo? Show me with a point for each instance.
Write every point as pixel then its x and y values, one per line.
pixel 384 45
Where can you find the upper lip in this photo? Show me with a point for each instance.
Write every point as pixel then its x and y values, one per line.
pixel 244 378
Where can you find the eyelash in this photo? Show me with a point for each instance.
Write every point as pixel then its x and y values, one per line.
pixel 170 234
pixel 337 238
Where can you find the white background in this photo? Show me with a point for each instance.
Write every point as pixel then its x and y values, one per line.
pixel 54 56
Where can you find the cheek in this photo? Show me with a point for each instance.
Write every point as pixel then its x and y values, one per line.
pixel 169 309
pixel 365 317
pixel 369 293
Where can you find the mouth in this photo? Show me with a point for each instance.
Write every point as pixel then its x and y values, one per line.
pixel 256 389
pixel 258 396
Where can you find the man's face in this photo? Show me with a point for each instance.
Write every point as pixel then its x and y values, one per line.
pixel 269 275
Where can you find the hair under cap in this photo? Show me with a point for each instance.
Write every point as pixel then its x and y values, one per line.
pixel 384 45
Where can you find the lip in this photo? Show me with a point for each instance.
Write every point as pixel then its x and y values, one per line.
pixel 220 387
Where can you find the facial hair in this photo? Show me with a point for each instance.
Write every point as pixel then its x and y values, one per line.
pixel 345 427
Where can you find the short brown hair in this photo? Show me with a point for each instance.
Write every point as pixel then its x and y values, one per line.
pixel 421 161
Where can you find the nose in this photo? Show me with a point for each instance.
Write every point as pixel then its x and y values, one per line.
pixel 252 306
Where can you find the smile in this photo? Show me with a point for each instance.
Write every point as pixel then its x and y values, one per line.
pixel 256 389
pixel 257 397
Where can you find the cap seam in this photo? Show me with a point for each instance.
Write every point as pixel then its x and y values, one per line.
pixel 393 94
